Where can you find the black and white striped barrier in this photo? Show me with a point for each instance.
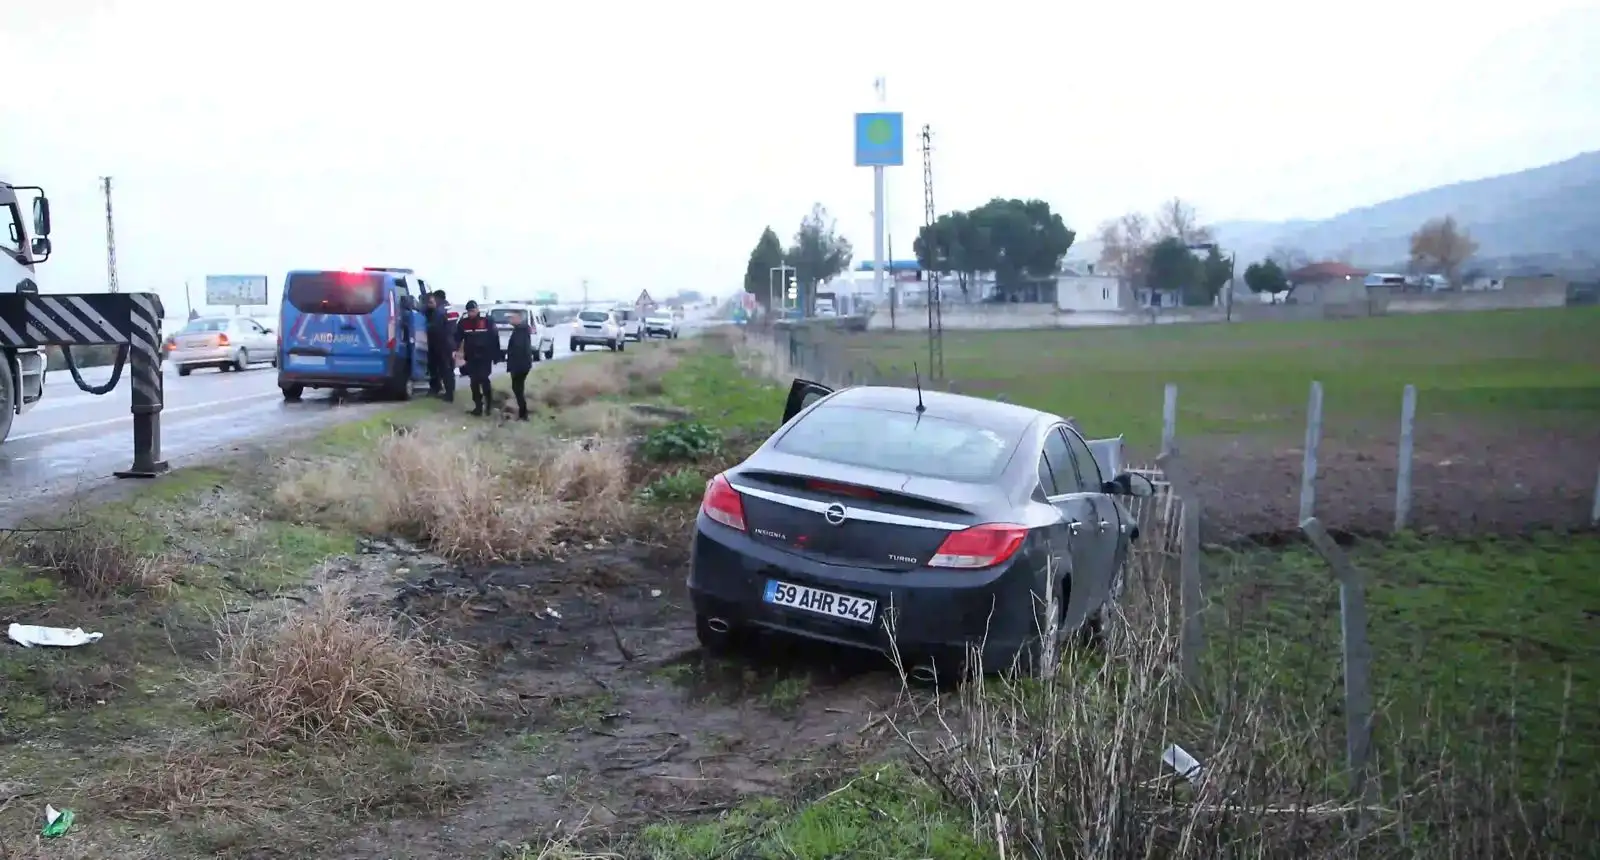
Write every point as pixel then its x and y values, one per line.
pixel 131 320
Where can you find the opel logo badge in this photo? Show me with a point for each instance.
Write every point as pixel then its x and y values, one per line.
pixel 834 514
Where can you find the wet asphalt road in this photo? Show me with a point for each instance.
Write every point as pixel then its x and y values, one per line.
pixel 72 440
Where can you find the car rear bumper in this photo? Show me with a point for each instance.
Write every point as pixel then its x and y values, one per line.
pixel 215 355
pixel 661 330
pixel 332 377
pixel 939 613
pixel 591 337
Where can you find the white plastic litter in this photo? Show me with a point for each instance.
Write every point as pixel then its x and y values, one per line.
pixel 28 635
pixel 1186 765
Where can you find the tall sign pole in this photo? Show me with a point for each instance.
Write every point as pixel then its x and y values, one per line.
pixel 880 143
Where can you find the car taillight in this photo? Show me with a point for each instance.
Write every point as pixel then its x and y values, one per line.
pixel 391 332
pixel 980 546
pixel 222 340
pixel 723 503
pixel 172 344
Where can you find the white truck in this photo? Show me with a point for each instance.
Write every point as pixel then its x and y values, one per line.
pixel 22 247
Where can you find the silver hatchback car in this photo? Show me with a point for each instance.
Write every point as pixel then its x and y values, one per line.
pixel 226 343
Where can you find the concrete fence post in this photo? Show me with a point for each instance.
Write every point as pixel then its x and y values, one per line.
pixel 1169 417
pixel 1402 482
pixel 1308 471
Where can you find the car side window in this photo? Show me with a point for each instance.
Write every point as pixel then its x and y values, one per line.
pixel 1062 476
pixel 1089 479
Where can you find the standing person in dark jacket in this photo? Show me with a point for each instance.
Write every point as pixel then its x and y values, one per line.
pixel 441 348
pixel 519 361
pixel 480 350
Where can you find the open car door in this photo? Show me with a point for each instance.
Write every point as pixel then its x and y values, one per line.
pixel 1108 453
pixel 803 393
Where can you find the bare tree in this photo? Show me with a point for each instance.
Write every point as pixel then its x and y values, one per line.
pixel 1178 220
pixel 1441 246
pixel 1289 258
pixel 1125 245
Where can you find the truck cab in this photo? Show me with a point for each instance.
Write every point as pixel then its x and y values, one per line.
pixel 22 247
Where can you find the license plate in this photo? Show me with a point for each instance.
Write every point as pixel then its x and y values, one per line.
pixel 832 604
pixel 309 360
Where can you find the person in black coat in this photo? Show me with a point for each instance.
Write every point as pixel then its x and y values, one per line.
pixel 441 347
pixel 519 361
pixel 480 352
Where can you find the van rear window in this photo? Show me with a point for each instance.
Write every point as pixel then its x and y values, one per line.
pixel 335 292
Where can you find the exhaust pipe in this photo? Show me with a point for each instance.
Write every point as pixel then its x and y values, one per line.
pixel 718 625
pixel 924 674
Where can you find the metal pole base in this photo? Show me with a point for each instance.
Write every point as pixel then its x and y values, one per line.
pixel 147 462
pixel 154 469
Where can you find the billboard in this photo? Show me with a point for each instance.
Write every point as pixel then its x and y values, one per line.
pixel 236 290
pixel 545 298
pixel 880 139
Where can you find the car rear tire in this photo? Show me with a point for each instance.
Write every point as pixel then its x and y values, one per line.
pixel 551 352
pixel 184 370
pixel 292 393
pixel 241 362
pixel 572 346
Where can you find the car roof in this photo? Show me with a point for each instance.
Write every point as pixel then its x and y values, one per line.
pixel 1005 418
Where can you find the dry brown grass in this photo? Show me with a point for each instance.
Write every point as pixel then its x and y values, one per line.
pixel 475 496
pixel 329 672
pixel 91 558
pixel 1068 765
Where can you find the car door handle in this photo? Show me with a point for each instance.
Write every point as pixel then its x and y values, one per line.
pixel 1074 526
pixel 1103 525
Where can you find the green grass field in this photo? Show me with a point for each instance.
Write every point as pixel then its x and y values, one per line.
pixel 1536 366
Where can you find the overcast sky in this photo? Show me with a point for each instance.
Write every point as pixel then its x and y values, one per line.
pixel 528 146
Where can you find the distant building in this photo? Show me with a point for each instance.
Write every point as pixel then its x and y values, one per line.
pixel 1093 293
pixel 1327 283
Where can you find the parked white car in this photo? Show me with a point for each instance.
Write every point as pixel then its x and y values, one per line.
pixel 660 325
pixel 544 339
pixel 226 343
pixel 597 328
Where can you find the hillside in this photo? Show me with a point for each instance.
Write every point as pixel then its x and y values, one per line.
pixel 1546 216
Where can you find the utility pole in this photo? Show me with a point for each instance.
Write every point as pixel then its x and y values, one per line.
pixel 935 301
pixel 111 238
pixel 585 294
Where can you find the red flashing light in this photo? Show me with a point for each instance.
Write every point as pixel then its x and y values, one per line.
pixel 980 546
pixel 723 503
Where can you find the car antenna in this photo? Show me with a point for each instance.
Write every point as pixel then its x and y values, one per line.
pixel 916 374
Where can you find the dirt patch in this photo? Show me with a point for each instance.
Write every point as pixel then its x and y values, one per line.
pixel 605 710
pixel 1467 479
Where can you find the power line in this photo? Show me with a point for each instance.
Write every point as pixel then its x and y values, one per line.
pixel 935 300
pixel 111 238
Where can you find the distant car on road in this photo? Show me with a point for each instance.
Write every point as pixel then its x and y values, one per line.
pixel 660 325
pixel 543 338
pixel 226 343
pixel 597 328
pixel 980 522
pixel 632 323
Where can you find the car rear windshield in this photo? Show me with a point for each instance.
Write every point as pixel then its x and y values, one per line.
pixel 627 315
pixel 899 442
pixel 594 316
pixel 502 316
pixel 335 292
pixel 203 325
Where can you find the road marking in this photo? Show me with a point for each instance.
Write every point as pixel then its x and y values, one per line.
pixel 71 428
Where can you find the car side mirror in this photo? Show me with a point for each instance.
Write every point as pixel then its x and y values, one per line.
pixel 41 216
pixel 1130 484
pixel 265 330
pixel 40 249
